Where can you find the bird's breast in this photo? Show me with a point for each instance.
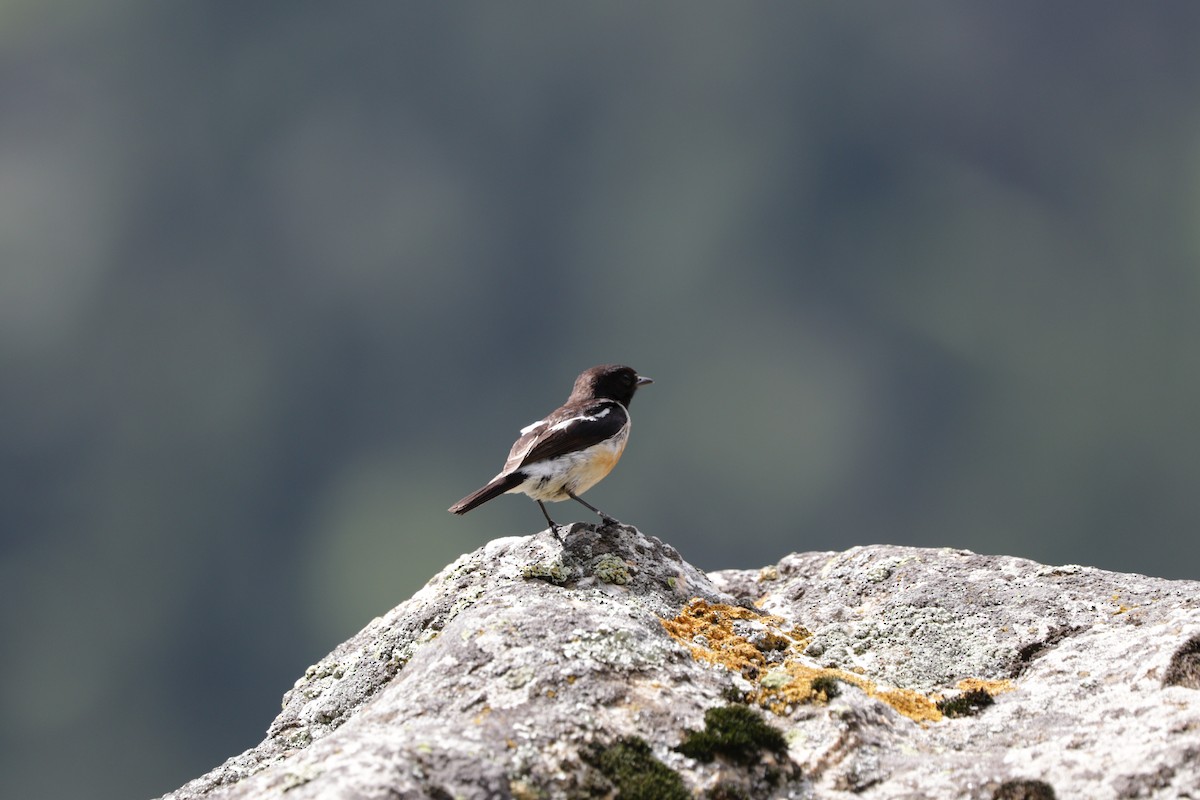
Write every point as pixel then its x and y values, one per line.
pixel 599 462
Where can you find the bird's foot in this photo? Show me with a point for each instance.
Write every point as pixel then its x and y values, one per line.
pixel 610 522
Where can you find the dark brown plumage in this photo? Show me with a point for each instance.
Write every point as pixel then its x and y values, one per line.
pixel 569 451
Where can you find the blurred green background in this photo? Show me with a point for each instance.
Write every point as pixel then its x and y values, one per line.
pixel 280 281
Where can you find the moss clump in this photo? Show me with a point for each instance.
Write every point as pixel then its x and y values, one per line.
pixel 967 704
pixel 637 774
pixel 827 685
pixel 1024 790
pixel 734 732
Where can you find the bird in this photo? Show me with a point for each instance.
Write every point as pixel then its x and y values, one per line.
pixel 572 448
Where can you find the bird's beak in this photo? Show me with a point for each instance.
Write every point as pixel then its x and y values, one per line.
pixel 643 380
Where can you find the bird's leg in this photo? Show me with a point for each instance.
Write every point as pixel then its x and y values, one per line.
pixel 546 514
pixel 607 519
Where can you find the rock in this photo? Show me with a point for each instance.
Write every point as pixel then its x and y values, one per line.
pixel 603 665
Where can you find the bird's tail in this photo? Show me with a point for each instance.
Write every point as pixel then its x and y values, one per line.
pixel 498 486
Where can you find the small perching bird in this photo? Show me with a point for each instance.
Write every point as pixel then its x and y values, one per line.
pixel 569 451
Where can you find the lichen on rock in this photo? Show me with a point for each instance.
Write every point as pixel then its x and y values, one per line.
pixel 597 662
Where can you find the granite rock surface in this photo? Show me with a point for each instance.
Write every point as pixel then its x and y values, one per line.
pixel 598 663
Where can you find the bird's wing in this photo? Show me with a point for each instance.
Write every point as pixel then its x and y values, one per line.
pixel 568 429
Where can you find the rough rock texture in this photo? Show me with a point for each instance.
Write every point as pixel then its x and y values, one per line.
pixel 603 665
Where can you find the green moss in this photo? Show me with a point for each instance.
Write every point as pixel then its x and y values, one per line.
pixel 1024 790
pixel 735 732
pixel 827 684
pixel 637 774
pixel 967 704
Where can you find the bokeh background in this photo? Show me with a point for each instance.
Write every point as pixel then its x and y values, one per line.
pixel 279 281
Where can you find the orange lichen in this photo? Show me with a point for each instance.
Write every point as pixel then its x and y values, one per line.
pixel 721 645
pixel 783 680
pixel 991 687
pixel 910 703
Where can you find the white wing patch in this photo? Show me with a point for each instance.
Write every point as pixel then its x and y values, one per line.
pixel 566 423
pixel 533 426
